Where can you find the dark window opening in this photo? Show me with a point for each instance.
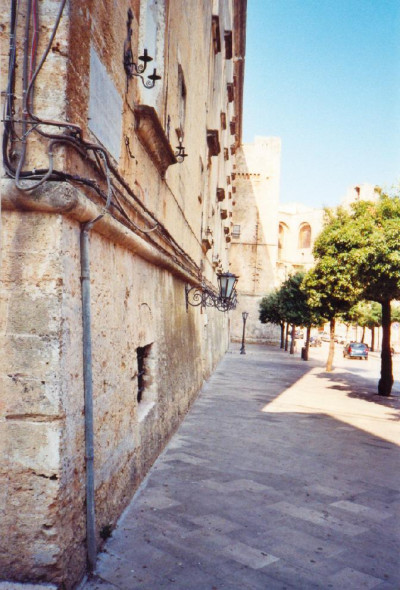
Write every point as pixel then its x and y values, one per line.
pixel 228 44
pixel 142 353
pixel 216 34
pixel 182 97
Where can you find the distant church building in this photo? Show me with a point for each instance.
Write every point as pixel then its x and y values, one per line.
pixel 270 241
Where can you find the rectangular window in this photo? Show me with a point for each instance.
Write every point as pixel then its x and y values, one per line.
pixel 236 231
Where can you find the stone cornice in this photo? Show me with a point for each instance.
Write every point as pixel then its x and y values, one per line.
pixel 64 199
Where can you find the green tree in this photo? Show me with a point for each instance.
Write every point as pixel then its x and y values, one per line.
pixel 331 285
pixel 377 242
pixel 358 257
pixel 270 312
pixel 295 307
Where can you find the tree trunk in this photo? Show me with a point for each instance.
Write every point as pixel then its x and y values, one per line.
pixel 282 335
pixel 363 334
pixel 372 339
pixel 329 362
pixel 292 341
pixel 386 381
pixel 307 343
pixel 287 338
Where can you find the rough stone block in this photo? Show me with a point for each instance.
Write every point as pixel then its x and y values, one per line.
pixel 29 356
pixel 23 396
pixel 33 446
pixel 34 312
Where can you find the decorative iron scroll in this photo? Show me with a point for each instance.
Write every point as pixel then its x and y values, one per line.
pixel 204 297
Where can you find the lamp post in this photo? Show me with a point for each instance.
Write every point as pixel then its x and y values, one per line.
pixel 245 315
pixel 224 300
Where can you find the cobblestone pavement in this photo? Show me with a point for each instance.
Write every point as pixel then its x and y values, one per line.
pixel 282 476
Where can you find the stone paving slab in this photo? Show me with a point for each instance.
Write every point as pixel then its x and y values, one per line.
pixel 281 477
pixel 22 586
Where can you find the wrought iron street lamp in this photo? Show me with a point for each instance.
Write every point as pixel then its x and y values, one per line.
pixel 224 300
pixel 245 315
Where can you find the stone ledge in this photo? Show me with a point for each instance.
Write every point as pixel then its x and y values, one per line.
pixel 151 135
pixel 63 199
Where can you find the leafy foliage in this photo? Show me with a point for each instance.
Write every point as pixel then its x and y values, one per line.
pixel 331 284
pixel 294 302
pixel 358 257
pixel 366 314
pixel 288 304
pixel 376 230
pixel 270 311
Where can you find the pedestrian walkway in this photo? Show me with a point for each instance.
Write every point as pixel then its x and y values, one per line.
pixel 280 477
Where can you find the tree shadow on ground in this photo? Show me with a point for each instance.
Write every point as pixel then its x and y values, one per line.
pixel 361 388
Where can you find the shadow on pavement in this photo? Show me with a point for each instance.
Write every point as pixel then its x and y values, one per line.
pixel 288 498
pixel 359 387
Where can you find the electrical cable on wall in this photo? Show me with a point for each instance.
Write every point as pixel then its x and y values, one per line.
pixel 71 137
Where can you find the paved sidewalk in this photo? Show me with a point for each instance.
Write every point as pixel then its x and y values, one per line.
pixel 280 477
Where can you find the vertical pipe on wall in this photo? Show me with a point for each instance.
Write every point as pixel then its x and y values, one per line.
pixel 88 395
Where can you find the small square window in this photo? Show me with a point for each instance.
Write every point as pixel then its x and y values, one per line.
pixel 236 231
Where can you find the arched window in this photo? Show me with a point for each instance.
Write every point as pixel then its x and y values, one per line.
pixel 305 236
pixel 282 239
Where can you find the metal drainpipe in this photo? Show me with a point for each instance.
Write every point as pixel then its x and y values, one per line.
pixel 88 393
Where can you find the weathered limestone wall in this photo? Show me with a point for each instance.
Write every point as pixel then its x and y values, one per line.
pixel 151 242
pixel 41 407
pixel 134 304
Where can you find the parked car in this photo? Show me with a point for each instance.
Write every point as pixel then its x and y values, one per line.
pixel 326 337
pixel 299 334
pixel 356 350
pixel 315 341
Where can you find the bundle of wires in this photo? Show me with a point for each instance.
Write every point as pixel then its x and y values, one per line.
pixel 68 134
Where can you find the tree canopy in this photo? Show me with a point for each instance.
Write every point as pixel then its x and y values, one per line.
pixel 358 257
pixel 270 311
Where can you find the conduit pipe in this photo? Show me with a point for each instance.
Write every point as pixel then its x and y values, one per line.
pixel 88 393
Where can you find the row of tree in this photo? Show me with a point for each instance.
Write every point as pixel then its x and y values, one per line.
pixel 357 265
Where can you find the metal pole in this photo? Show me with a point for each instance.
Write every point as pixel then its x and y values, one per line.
pixel 88 397
pixel 243 350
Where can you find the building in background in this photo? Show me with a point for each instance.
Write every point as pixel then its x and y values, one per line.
pixel 297 229
pixel 362 192
pixel 99 201
pixel 269 241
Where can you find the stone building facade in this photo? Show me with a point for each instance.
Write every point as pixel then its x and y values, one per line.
pixel 297 229
pixel 270 241
pixel 104 224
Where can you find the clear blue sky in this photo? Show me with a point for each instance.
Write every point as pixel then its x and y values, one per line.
pixel 324 75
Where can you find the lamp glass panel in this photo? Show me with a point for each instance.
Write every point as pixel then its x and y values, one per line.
pixel 227 281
